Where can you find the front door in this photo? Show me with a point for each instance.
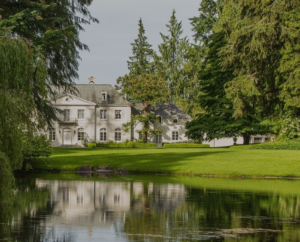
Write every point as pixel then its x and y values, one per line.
pixel 67 137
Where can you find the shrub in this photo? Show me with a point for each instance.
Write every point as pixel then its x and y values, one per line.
pixel 145 145
pixel 91 145
pixel 186 145
pixel 279 145
pixel 34 146
pixel 240 146
pixel 129 144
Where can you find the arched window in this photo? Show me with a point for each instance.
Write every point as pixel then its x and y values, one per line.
pixel 118 133
pixel 102 134
pixel 80 134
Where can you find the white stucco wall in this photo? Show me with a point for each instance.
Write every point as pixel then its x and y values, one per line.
pixel 88 122
pixel 167 127
pixel 110 124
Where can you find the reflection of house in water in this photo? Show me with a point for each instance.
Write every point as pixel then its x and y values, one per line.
pixel 102 203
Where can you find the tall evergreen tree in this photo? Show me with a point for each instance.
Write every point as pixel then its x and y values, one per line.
pixel 263 45
pixel 172 57
pixel 217 121
pixel 142 60
pixel 142 85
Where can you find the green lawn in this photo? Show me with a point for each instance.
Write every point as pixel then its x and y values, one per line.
pixel 205 161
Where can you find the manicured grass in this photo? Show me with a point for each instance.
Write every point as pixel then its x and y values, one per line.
pixel 197 161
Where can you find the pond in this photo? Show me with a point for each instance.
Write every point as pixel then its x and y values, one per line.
pixel 69 207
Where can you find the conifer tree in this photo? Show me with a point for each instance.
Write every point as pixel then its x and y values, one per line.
pixel 142 60
pixel 263 45
pixel 217 121
pixel 172 57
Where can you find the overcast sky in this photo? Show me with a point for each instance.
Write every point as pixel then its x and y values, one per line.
pixel 109 41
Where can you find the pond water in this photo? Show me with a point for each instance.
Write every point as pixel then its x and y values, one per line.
pixel 69 207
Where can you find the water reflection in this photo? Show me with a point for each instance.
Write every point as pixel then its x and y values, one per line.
pixel 135 209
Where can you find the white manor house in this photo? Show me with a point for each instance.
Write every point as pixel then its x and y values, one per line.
pixel 98 113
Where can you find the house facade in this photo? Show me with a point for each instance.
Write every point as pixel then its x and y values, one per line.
pixel 97 114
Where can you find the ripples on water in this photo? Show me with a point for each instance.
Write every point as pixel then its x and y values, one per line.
pixel 66 207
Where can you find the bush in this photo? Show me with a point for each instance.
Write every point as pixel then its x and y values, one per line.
pixel 279 145
pixel 146 145
pixel 91 145
pixel 128 144
pixel 34 146
pixel 240 146
pixel 186 145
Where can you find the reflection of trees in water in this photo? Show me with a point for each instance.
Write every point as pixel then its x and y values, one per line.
pixel 26 215
pixel 210 210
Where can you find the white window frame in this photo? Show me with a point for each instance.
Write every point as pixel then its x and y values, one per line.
pixel 67 115
pixel 118 135
pixel 52 135
pixel 175 135
pixel 103 96
pixel 105 113
pixel 80 134
pixel 118 114
pixel 103 134
pixel 78 112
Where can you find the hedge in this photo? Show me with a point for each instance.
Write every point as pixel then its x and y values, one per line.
pixel 276 145
pixel 129 144
pixel 185 145
pixel 279 145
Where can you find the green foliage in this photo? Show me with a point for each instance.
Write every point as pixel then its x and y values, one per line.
pixel 18 110
pixel 6 186
pixel 172 57
pixel 91 145
pixel 34 146
pixel 147 89
pixel 142 60
pixel 129 144
pixel 286 128
pixel 53 27
pixel 263 45
pixel 279 145
pixel 185 145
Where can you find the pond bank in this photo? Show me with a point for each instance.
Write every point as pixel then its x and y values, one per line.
pixel 217 162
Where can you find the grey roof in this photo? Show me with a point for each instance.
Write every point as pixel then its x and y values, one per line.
pixel 164 110
pixel 92 93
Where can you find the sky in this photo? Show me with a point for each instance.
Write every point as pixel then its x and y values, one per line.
pixel 109 41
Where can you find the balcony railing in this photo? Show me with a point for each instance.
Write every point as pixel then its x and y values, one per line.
pixel 68 121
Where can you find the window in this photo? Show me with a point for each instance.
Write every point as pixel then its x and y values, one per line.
pixel 118 135
pixel 175 135
pixel 118 114
pixel 52 134
pixel 80 114
pixel 67 115
pixel 80 134
pixel 102 134
pixel 267 139
pixel 158 120
pixel 103 96
pixel 102 114
pixel 175 121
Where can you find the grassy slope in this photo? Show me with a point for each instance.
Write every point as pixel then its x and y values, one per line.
pixel 218 161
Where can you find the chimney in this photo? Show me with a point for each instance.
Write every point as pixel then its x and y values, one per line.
pixel 91 80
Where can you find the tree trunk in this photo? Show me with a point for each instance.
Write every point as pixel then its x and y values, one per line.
pixel 246 138
pixel 146 124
